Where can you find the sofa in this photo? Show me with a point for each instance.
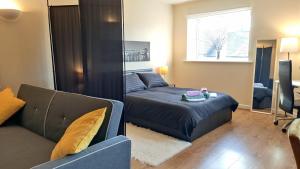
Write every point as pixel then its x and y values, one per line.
pixel 294 137
pixel 28 138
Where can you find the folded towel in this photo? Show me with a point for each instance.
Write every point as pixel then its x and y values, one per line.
pixel 213 95
pixel 198 98
pixel 193 93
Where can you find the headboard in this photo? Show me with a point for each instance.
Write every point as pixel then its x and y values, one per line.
pixel 139 71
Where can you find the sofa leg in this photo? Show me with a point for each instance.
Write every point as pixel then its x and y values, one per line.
pixel 286 126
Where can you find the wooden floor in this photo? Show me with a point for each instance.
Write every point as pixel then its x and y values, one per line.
pixel 250 141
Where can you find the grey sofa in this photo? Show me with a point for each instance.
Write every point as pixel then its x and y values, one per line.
pixel 28 138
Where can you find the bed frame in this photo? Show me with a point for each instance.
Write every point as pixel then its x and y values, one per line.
pixel 139 71
pixel 216 120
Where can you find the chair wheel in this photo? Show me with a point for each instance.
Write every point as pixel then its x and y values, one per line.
pixel 276 122
pixel 284 130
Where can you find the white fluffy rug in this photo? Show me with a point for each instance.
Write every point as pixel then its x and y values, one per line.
pixel 153 148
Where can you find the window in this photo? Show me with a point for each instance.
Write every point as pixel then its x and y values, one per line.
pixel 219 36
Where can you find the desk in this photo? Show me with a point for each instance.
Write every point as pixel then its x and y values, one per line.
pixel 296 84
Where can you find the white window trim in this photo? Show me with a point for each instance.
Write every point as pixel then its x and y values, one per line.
pixel 219 61
pixel 219 12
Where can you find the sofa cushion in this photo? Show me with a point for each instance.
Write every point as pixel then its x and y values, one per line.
pixel 79 134
pixel 9 105
pixel 67 107
pixel 21 148
pixel 37 101
pixel 7 92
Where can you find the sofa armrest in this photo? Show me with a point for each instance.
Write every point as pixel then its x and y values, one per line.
pixel 116 115
pixel 110 154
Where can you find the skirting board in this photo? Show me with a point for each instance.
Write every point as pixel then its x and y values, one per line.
pixel 243 106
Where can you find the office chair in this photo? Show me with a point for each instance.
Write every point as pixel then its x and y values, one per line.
pixel 287 100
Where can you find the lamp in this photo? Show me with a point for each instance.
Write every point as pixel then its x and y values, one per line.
pixel 164 70
pixel 9 10
pixel 289 45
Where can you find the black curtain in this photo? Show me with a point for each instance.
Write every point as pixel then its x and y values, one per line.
pixel 263 66
pixel 66 43
pixel 88 49
pixel 102 39
pixel 102 45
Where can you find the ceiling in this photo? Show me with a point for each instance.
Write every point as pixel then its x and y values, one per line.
pixel 174 1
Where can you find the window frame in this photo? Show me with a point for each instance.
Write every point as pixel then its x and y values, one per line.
pixel 220 12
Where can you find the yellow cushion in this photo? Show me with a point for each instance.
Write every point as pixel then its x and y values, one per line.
pixel 9 105
pixel 7 92
pixel 79 134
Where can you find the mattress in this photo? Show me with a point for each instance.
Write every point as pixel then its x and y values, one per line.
pixel 162 110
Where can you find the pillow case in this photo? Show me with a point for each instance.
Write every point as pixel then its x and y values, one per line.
pixel 79 134
pixel 9 105
pixel 134 83
pixel 152 80
pixel 7 92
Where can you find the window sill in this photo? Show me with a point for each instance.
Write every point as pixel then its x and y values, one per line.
pixel 220 61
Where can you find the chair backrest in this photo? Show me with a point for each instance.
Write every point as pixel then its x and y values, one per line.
pixel 286 86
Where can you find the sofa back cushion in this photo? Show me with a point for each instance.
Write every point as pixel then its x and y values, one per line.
pixel 32 116
pixel 49 113
pixel 66 108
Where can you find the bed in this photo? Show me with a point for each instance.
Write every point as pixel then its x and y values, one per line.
pixel 262 97
pixel 161 109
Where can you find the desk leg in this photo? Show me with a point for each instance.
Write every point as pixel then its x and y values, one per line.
pixel 276 103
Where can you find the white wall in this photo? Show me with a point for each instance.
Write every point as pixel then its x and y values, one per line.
pixel 25 44
pixel 25 47
pixel 150 20
pixel 62 2
pixel 272 19
pixel 26 58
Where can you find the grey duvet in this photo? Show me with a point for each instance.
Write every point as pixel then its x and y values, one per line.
pixel 162 110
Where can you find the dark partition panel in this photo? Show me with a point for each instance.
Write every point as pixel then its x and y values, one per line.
pixel 102 38
pixel 102 42
pixel 66 40
pixel 88 49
